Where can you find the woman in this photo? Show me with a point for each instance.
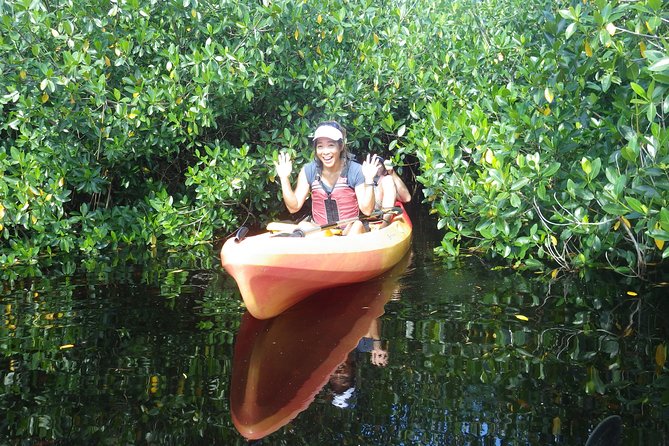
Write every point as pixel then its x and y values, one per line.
pixel 340 188
pixel 389 188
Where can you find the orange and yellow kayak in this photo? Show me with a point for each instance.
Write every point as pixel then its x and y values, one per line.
pixel 274 273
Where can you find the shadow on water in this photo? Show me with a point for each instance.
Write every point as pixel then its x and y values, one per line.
pixel 140 351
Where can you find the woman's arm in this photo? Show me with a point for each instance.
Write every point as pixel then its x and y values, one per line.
pixel 294 199
pixel 365 192
pixel 401 189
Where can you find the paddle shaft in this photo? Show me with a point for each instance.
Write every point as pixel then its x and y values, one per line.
pixel 374 215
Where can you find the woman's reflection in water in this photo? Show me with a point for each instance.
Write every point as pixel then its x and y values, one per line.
pixel 342 380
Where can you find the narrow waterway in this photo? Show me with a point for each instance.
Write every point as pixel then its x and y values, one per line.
pixel 146 350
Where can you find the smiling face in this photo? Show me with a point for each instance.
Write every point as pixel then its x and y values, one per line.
pixel 328 151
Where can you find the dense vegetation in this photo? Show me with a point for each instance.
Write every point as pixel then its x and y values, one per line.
pixel 536 128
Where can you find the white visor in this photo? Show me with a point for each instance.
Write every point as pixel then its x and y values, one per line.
pixel 326 131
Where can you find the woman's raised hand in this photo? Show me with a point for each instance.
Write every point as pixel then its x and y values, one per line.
pixel 370 167
pixel 284 166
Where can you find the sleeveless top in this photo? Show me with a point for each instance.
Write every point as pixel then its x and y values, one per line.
pixel 329 205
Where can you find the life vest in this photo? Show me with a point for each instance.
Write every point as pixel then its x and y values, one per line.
pixel 339 202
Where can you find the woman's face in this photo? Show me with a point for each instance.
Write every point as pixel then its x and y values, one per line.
pixel 328 151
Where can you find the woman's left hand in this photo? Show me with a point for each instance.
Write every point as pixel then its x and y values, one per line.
pixel 370 167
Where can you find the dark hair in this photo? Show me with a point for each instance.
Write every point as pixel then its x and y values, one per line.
pixel 344 149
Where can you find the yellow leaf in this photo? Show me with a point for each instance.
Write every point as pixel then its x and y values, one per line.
pixel 376 39
pixel 107 61
pixel 132 115
pixel 22 74
pixel 318 50
pixel 554 273
pixel 297 34
pixel 61 182
pixel 632 293
pixel 522 317
pixel 548 94
pixel 626 222
pixel 44 98
pixel 642 49
pixel 588 49
pixel 557 426
pixel 661 355
pixel 659 243
pixel 628 332
pixel 193 13
pixel 319 19
pixel 649 28
pixel 340 37
pixel 63 347
pixel 2 211
pixel 546 111
pixel 554 241
pixel 616 225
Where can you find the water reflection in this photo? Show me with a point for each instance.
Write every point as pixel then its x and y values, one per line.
pixel 280 364
pixel 135 353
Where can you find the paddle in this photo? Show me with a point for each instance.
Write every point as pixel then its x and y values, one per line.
pixel 376 215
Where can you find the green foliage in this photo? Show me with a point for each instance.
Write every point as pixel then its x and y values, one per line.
pixel 538 127
pixel 551 146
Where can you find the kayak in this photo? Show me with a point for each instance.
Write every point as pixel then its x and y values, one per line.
pixel 280 364
pixel 274 272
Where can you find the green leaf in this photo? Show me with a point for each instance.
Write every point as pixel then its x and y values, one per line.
pixel 638 89
pixel 660 65
pixel 636 205
pixel 520 184
pixel 614 209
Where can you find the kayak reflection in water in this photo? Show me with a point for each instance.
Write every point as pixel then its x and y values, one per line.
pixel 342 381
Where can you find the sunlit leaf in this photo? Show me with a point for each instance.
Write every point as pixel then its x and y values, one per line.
pixel 632 293
pixel 611 28
pixel 522 317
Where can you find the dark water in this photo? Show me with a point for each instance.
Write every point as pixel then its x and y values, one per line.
pixel 159 351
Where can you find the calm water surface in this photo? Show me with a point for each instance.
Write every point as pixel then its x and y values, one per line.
pixel 141 351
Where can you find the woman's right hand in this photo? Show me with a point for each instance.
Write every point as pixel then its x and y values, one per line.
pixel 284 166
